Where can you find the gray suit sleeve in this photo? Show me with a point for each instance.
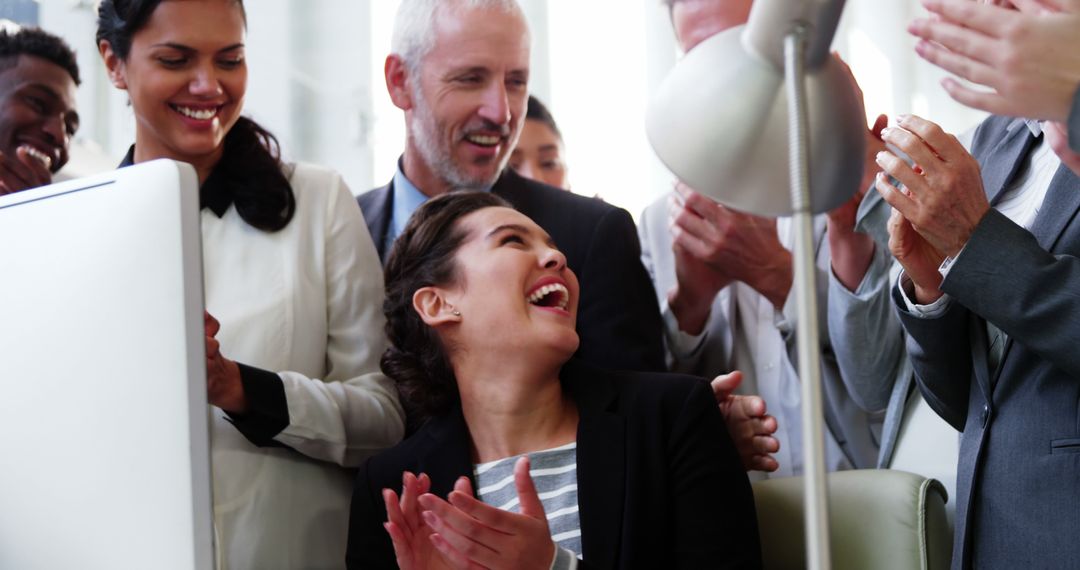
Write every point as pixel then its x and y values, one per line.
pixel 866 335
pixel 940 353
pixel 1035 302
pixel 706 354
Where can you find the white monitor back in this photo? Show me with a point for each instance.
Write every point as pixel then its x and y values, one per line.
pixel 104 451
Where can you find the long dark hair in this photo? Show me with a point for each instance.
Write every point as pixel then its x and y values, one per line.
pixel 250 166
pixel 423 256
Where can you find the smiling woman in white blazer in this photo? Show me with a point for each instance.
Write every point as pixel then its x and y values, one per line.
pixel 293 289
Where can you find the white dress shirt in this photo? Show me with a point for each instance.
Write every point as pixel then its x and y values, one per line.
pixel 306 303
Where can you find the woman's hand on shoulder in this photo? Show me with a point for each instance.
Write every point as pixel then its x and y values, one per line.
pixel 471 534
pixel 751 429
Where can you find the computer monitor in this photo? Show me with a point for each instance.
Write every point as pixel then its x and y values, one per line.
pixel 104 449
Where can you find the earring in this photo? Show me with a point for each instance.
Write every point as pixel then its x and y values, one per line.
pixel 456 313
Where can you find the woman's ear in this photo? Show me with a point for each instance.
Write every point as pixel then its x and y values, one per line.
pixel 431 304
pixel 114 66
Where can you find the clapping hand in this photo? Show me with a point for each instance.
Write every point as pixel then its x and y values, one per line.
pixel 470 534
pixel 1030 59
pixel 735 245
pixel 409 533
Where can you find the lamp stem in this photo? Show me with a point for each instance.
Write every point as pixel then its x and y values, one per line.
pixel 814 490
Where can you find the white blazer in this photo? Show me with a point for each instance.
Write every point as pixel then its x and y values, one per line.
pixel 305 302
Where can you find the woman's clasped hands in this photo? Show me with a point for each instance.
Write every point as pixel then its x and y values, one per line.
pixel 463 532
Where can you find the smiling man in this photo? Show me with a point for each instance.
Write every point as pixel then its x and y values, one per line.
pixel 459 69
pixel 38 78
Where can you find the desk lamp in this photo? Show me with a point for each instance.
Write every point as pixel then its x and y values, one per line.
pixel 763 119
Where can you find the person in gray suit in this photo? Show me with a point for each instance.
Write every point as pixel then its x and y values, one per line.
pixel 723 279
pixel 989 242
pixel 863 328
pixel 868 341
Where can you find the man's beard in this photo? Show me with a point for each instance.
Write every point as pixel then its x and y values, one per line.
pixel 425 135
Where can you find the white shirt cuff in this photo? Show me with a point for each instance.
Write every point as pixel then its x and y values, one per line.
pixel 948 263
pixel 681 344
pixel 931 311
pixel 564 559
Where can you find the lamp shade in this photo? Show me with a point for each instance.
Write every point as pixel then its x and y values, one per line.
pixel 720 122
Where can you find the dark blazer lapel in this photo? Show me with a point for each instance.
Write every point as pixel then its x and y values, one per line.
pixel 980 348
pixel 377 206
pixel 601 458
pixel 1058 209
pixel 999 166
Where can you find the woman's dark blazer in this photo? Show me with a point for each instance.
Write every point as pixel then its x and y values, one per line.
pixel 660 484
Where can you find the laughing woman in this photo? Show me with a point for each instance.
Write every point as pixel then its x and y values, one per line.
pixel 289 271
pixel 627 469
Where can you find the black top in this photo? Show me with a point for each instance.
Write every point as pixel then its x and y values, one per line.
pixel 660 484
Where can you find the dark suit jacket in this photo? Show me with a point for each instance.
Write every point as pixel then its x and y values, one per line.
pixel 660 484
pixel 1018 478
pixel 618 316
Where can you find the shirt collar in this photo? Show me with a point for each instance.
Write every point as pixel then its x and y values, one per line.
pixel 407 198
pixel 213 194
pixel 1033 126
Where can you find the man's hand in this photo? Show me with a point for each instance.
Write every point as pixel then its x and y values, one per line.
pixel 943 195
pixel 749 426
pixel 842 219
pixel 22 171
pixel 223 386
pixel 1030 59
pixel 1058 137
pixel 740 246
pixel 852 252
pixel 696 285
pixel 918 258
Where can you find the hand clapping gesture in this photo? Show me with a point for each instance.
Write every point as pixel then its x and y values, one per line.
pixel 1028 58
pixel 941 204
pixel 732 245
pixel 465 533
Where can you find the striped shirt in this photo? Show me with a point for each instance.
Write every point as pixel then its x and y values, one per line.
pixel 554 472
